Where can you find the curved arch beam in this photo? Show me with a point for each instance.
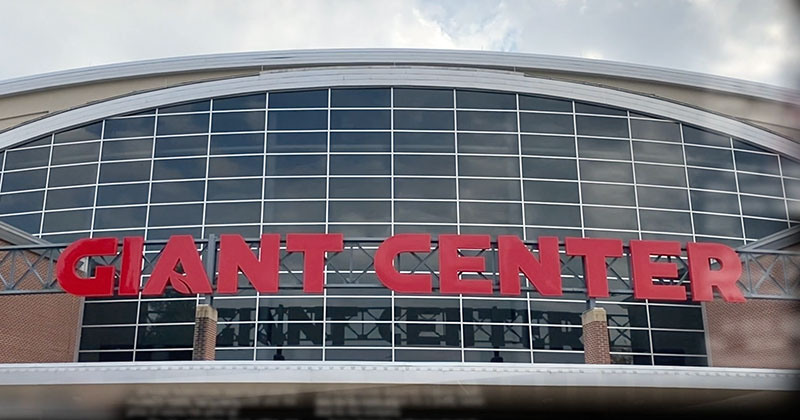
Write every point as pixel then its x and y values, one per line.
pixel 399 76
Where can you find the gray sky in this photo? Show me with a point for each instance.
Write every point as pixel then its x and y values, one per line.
pixel 755 40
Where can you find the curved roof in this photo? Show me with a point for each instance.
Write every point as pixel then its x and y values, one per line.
pixel 480 59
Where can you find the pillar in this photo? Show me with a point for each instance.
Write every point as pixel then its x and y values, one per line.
pixel 595 337
pixel 205 333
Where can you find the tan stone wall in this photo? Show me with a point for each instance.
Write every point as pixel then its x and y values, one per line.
pixel 760 333
pixel 36 328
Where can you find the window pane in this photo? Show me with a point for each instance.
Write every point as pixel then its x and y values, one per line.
pixel 31 158
pixel 657 152
pixel 199 106
pixel 679 342
pixel 122 194
pixel 711 180
pixel 26 222
pixel 609 218
pixel 790 167
pixel 621 195
pixel 253 101
pixel 182 124
pixel 600 126
pixel 237 143
pixel 87 132
pixel 555 338
pixel 584 108
pixel 236 166
pixel 763 207
pixel 297 142
pixel 424 188
pixel 488 166
pixel 753 184
pixel 759 228
pixel 549 168
pixel 540 103
pixel 424 142
pixel 167 336
pixel 179 168
pixel 298 120
pixel 127 149
pixel 237 121
pixel 359 211
pixel 487 121
pixel 552 215
pixel 665 221
pixel 303 211
pixel 290 335
pixel 18 203
pixel 25 180
pixel 700 136
pixel 120 217
pixel 655 130
pixel 109 313
pixel 186 214
pixel 217 213
pixel 234 189
pixel 294 188
pixel 125 171
pixel 660 175
pixel 75 153
pixel 297 165
pixel 73 175
pixel 688 318
pixel 485 100
pixel 299 99
pixel 172 192
pixel 423 120
pixel 360 165
pixel 545 123
pixel 424 165
pixel 606 171
pixel 487 143
pixel 361 142
pixel 181 146
pixel 107 338
pixel 706 156
pixel 489 189
pixel 494 213
pixel 67 198
pixel 129 127
pixel 667 198
pixel 423 98
pixel 360 188
pixel 604 149
pixel 64 221
pixel 360 120
pixel 706 224
pixel 560 192
pixel 360 97
pixel 425 212
pixel 548 145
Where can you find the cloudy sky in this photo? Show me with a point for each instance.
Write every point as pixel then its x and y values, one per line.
pixel 757 40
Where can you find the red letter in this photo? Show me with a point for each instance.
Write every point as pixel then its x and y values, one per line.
pixel 235 255
pixel 131 272
pixel 451 264
pixel 704 278
pixel 102 283
pixel 594 252
pixel 313 246
pixel 544 274
pixel 644 270
pixel 180 249
pixel 384 263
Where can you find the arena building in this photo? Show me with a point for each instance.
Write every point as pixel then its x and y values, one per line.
pixel 466 147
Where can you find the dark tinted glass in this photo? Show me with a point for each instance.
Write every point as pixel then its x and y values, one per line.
pixel 494 213
pixel 75 153
pixel 360 165
pixel 297 165
pixel 424 188
pixel 238 121
pixel 87 132
pixel 179 168
pixel 546 123
pixel 655 130
pixel 423 98
pixel 660 175
pixel 182 124
pixel 167 336
pixel 790 167
pixel 67 198
pixel 609 218
pixel 127 149
pixel 706 156
pixel 125 171
pixel 753 162
pixel 169 311
pixel 27 222
pixel 424 212
pixel 181 146
pixel 30 158
pixel 423 120
pixel 487 121
pixel 427 335
pixel 360 188
pixel 359 211
pixel 584 108
pixel 294 188
pixel 759 228
pixel 217 213
pixel 601 126
pixel 185 214
pixel 254 101
pixel 549 168
pixel 424 165
pixel 555 338
pixel 485 100
pixel 67 221
pixel 25 180
pixel 236 166
pixel 540 103
pixel 488 166
pixel 667 198
pixel 287 211
pixel 715 202
pixel 604 149
pixel 236 143
pixel 189 107
pixel 297 142
pixel 120 217
pixel 548 145
pixel 560 192
pixel 109 313
pixel 706 224
pixel 360 119
pixel 489 189
pixel 552 215
pixel 711 180
pixel 360 97
pixel 620 195
pixel 18 203
pixel 106 338
pixel 678 342
pixel 234 189
pixel 657 152
pixel 299 99
pixel 360 142
pixel 122 194
pixel 665 221
pixel 424 142
pixel 606 171
pixel 129 127
pixel 298 120
pixel 754 184
pixel 687 318
pixel 763 207
pixel 175 192
pixel 700 136
pixel 73 175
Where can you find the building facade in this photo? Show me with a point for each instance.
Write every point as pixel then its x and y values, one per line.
pixel 376 143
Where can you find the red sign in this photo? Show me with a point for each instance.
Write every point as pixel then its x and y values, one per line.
pixel 543 273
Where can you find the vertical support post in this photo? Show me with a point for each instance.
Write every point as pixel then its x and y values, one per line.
pixel 205 333
pixel 596 349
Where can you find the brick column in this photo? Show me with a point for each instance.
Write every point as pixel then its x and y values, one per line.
pixel 595 337
pixel 205 333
